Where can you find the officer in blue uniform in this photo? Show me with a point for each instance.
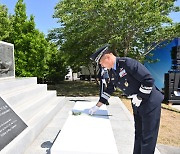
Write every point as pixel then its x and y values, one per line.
pixel 137 83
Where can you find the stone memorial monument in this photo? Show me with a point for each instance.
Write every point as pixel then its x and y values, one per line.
pixel 6 60
pixel 11 125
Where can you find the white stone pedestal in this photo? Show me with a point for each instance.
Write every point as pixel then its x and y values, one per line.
pixel 84 134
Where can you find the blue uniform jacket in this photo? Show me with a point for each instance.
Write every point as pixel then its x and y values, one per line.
pixel 132 78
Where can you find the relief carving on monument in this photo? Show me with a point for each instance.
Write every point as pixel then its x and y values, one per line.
pixel 6 60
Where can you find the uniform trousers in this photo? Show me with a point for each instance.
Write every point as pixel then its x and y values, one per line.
pixel 146 131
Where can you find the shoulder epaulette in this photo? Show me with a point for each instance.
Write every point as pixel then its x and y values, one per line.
pixel 122 60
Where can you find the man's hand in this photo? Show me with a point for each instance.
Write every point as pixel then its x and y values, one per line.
pixel 135 100
pixel 93 110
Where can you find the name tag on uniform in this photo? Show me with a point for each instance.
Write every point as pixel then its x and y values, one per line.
pixel 122 73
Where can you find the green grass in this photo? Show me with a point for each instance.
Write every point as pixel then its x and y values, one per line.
pixel 76 88
pixel 87 88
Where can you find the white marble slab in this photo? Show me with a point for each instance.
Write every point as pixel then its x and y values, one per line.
pixel 84 134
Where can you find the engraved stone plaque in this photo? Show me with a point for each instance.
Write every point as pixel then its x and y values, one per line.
pixel 7 67
pixel 11 125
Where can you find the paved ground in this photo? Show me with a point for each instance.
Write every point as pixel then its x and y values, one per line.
pixel 176 106
pixel 121 121
pixel 164 149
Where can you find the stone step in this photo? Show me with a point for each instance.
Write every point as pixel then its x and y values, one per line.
pixel 9 85
pixel 20 96
pixel 29 109
pixel 36 124
pixel 34 104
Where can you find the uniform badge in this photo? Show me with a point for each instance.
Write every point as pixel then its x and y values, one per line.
pixel 126 83
pixel 122 72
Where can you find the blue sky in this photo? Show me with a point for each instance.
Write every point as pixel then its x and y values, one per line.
pixel 44 9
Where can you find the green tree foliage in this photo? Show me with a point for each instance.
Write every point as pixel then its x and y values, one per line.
pixel 30 44
pixel 34 55
pixel 133 27
pixel 5 26
pixel 57 68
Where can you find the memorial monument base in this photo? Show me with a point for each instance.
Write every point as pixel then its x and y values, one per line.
pixel 33 104
pixel 85 134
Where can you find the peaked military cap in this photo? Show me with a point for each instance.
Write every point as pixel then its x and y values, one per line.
pixel 99 53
